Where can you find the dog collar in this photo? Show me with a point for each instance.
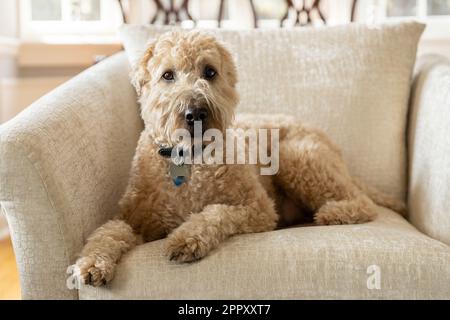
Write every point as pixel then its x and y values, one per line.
pixel 178 172
pixel 165 152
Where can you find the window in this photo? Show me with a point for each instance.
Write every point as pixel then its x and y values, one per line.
pixel 73 10
pixel 43 19
pixel 42 10
pixel 435 13
pixel 419 8
pixel 401 8
pixel 438 7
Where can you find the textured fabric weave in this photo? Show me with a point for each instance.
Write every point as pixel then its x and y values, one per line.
pixel 297 263
pixel 429 149
pixel 64 163
pixel 64 166
pixel 352 81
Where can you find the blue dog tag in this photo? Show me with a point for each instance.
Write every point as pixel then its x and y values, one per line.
pixel 178 181
pixel 179 173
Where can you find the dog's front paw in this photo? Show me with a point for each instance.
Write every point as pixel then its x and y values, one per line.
pixel 345 212
pixel 94 271
pixel 182 247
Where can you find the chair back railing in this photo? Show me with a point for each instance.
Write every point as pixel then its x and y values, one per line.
pixel 305 13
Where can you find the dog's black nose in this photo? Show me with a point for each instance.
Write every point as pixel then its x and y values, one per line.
pixel 193 114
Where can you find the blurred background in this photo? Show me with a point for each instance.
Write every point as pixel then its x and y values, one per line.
pixel 43 43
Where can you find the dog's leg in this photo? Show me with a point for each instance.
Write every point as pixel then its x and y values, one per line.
pixel 203 231
pixel 314 173
pixel 357 210
pixel 103 250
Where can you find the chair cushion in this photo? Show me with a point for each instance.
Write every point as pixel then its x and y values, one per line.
pixel 352 81
pixel 334 262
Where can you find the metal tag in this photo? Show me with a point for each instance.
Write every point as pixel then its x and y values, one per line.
pixel 179 174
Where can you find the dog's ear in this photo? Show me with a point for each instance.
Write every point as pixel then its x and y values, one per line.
pixel 228 64
pixel 140 75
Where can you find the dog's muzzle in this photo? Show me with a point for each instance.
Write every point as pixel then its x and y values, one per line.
pixel 193 114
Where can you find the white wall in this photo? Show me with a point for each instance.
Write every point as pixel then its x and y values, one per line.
pixel 8 19
pixel 9 33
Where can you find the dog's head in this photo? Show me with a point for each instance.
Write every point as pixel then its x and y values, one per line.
pixel 185 77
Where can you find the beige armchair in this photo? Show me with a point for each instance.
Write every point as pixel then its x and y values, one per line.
pixel 64 163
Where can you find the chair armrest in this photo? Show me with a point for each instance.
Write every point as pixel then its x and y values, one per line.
pixel 64 163
pixel 429 148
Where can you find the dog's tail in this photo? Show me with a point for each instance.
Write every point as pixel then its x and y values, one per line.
pixel 381 198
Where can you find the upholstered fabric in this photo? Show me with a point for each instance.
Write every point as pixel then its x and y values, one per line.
pixel 429 149
pixel 64 164
pixel 331 262
pixel 352 81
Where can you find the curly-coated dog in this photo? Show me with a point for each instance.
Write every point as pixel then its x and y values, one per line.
pixel 187 76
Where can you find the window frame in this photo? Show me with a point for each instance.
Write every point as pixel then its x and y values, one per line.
pixel 40 30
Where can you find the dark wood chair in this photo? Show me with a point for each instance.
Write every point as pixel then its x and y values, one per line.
pixel 171 13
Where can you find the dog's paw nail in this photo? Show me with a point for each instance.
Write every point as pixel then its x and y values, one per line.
pixel 186 249
pixel 95 272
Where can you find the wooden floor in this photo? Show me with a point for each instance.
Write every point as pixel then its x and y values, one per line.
pixel 9 277
pixel 17 94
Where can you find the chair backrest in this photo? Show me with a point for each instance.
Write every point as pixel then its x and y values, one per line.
pixel 351 81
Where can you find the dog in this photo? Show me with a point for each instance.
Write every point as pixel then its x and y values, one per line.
pixel 186 77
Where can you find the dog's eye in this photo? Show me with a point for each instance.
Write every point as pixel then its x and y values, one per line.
pixel 168 76
pixel 209 73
